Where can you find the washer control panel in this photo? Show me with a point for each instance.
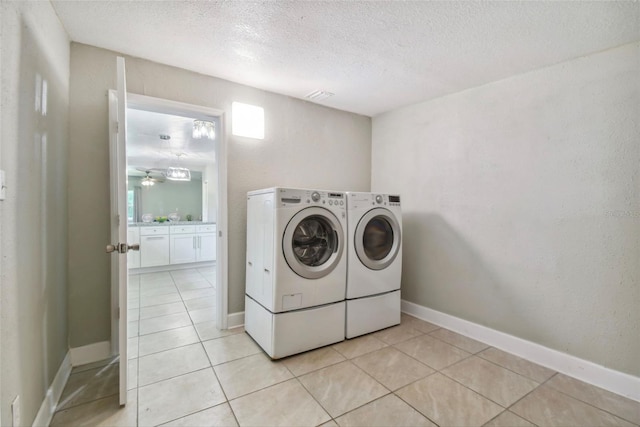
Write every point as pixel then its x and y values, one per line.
pixel 290 197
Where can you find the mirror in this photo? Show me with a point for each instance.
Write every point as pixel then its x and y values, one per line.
pixel 165 197
pixel 158 141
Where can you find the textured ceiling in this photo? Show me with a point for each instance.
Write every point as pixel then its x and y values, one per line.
pixel 375 56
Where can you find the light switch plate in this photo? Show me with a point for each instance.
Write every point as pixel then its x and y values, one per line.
pixel 3 186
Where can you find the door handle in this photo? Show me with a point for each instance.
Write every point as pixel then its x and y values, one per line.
pixel 122 248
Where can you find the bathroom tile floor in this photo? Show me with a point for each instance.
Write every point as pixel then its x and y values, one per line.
pixel 183 371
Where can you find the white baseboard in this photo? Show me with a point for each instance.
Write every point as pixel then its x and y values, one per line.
pixel 584 370
pixel 235 320
pixel 51 399
pixel 90 353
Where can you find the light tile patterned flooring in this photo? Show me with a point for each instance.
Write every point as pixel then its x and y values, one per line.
pixel 185 372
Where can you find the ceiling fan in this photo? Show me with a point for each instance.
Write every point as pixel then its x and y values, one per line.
pixel 148 180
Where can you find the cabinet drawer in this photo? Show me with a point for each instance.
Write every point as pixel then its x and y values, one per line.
pixel 208 228
pixel 183 229
pixel 150 231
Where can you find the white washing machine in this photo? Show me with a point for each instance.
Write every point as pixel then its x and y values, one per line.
pixel 374 262
pixel 296 269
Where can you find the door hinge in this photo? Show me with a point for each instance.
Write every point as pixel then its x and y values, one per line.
pixel 118 312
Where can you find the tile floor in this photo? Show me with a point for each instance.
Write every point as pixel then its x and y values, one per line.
pixel 185 372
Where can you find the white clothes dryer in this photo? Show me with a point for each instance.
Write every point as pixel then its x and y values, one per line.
pixel 374 258
pixel 296 269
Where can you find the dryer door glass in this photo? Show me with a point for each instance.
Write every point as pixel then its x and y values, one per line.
pixel 314 241
pixel 377 238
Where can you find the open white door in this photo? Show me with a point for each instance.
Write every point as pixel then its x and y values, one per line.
pixel 119 246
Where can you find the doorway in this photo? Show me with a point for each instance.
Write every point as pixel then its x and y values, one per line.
pixel 177 186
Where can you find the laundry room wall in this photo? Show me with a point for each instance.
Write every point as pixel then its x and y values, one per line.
pixel 521 203
pixel 306 145
pixel 33 217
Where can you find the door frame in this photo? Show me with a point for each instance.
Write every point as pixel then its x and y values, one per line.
pixel 166 106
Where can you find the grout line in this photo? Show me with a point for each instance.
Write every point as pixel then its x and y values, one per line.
pixel 139 335
pixel 331 417
pixel 85 403
pixel 171 377
pixel 511 370
pixel 585 402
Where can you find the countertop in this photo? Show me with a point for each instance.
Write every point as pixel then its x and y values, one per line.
pixel 157 224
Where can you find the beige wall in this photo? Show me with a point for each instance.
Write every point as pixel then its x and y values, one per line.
pixel 33 225
pixel 521 203
pixel 306 145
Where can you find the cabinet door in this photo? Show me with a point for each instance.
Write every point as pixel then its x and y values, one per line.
pixel 133 237
pixel 154 251
pixel 183 248
pixel 206 247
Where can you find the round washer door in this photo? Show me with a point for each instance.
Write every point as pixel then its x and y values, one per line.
pixel 377 238
pixel 312 242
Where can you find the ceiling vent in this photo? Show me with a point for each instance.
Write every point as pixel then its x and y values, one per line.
pixel 318 95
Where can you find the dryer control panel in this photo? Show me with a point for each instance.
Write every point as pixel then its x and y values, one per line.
pixel 363 200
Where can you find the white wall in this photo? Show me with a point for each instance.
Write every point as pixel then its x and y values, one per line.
pixel 33 230
pixel 521 203
pixel 306 145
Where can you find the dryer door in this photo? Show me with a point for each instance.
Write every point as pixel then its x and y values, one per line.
pixel 313 242
pixel 377 238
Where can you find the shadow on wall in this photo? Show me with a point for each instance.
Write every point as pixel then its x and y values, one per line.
pixel 40 218
pixel 444 272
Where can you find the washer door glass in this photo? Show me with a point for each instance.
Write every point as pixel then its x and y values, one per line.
pixel 377 238
pixel 313 242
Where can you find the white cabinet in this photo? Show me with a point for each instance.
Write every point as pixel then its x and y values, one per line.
pixel 192 243
pixel 183 244
pixel 133 238
pixel 206 242
pixel 154 246
pixel 172 244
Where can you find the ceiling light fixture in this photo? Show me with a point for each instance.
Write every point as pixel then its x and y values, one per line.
pixel 203 129
pixel 318 95
pixel 178 174
pixel 146 181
